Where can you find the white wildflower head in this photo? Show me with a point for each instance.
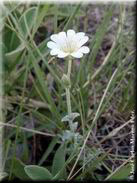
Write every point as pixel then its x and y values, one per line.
pixel 65 44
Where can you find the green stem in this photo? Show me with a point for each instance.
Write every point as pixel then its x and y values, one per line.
pixel 68 100
pixel 68 93
pixel 69 68
pixel 68 89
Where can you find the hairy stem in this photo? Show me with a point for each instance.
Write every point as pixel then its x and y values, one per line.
pixel 68 89
pixel 68 92
pixel 68 100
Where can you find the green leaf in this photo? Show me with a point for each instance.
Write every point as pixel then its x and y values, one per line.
pixel 43 85
pixel 59 162
pixel 13 55
pixel 70 117
pixel 18 169
pixel 65 12
pixel 10 39
pixel 41 13
pixel 121 173
pixel 26 21
pixel 37 172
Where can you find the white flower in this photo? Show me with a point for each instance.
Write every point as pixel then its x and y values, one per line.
pixel 70 43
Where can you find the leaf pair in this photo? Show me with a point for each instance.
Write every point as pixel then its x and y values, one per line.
pixel 58 168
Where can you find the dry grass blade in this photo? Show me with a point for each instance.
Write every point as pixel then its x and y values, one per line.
pixel 129 160
pixel 28 130
pixel 110 52
pixel 94 121
pixel 29 102
pixel 113 133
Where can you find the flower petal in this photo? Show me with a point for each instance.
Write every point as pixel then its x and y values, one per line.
pixel 51 45
pixel 84 49
pixel 55 51
pixel 77 54
pixel 61 39
pixel 80 35
pixel 62 54
pixel 70 33
pixel 68 43
pixel 54 37
pixel 62 35
pixel 83 41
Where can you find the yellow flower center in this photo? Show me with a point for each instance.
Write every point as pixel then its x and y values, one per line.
pixel 69 47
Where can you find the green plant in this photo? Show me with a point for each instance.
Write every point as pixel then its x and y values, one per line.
pixel 64 118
